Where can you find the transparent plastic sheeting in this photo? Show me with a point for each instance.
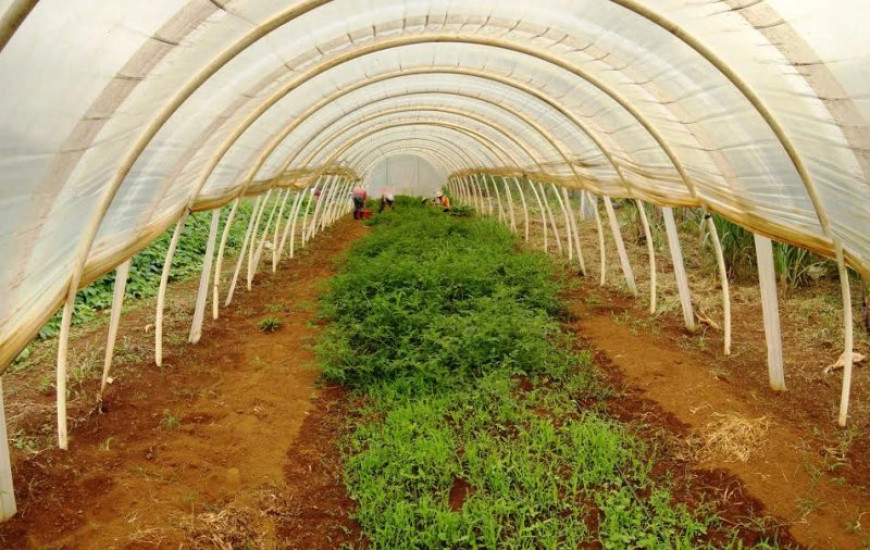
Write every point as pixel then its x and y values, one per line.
pixel 117 116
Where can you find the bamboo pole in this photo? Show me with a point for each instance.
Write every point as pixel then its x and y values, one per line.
pixel 525 209
pixel 303 236
pixel 770 311
pixel 487 195
pixel 215 313
pixel 253 244
pixel 574 228
pixel 7 490
pixel 255 264
pixel 543 214
pixel 651 252
pixel 245 244
pixel 62 369
pixel 549 211
pixel 723 278
pixel 121 274
pixel 338 201
pixel 679 268
pixel 291 224
pixel 323 203
pixel 848 343
pixel 568 234
pixel 502 217
pixel 278 231
pixel 328 218
pixel 202 295
pixel 601 243
pixel 627 272
pixel 161 291
pixel 510 200
pixel 291 219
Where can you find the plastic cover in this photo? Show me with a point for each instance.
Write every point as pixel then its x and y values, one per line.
pixel 118 116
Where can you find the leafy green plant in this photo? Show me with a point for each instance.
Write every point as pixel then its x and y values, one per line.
pixel 471 433
pixel 269 324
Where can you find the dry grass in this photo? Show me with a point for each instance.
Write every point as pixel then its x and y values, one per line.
pixel 233 528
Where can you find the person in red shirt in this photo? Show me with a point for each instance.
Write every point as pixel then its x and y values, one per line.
pixel 359 202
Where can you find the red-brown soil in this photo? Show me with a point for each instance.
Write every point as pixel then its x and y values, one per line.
pixel 786 472
pixel 224 426
pixel 232 437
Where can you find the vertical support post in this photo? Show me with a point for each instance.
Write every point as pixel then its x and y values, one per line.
pixel 257 250
pixel 723 277
pixel 215 303
pixel 510 201
pixel 502 218
pixel 770 311
pixel 848 335
pixel 651 252
pixel 303 237
pixel 121 274
pixel 525 210
pixel 627 272
pixel 161 292
pixel 549 211
pixel 291 220
pixel 278 231
pixel 7 491
pixel 543 213
pixel 601 243
pixel 202 295
pixel 252 222
pixel 253 243
pixel 573 221
pixel 568 234
pixel 679 268
pixel 486 195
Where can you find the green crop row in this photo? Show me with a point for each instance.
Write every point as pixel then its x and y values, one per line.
pixel 480 427
pixel 147 265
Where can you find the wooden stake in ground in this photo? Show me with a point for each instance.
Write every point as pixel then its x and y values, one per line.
pixel 723 278
pixel 220 260
pixel 627 272
pixel 202 295
pixel 510 201
pixel 601 246
pixel 7 491
pixel 121 274
pixel 245 243
pixel 679 268
pixel 651 252
pixel 770 311
pixel 543 213
pixel 525 209
pixel 161 291
pixel 848 336
pixel 567 197
pixel 549 210
pixel 568 235
pixel 278 232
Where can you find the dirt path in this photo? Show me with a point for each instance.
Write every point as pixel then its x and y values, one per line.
pixel 198 448
pixel 782 471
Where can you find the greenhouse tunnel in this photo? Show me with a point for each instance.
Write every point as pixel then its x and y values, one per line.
pixel 122 118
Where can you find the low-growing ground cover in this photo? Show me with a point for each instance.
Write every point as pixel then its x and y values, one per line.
pixel 481 427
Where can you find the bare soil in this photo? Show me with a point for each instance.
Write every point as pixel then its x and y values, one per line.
pixel 233 440
pixel 216 446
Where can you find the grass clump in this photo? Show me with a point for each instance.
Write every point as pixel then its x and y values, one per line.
pixel 473 433
pixel 269 324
